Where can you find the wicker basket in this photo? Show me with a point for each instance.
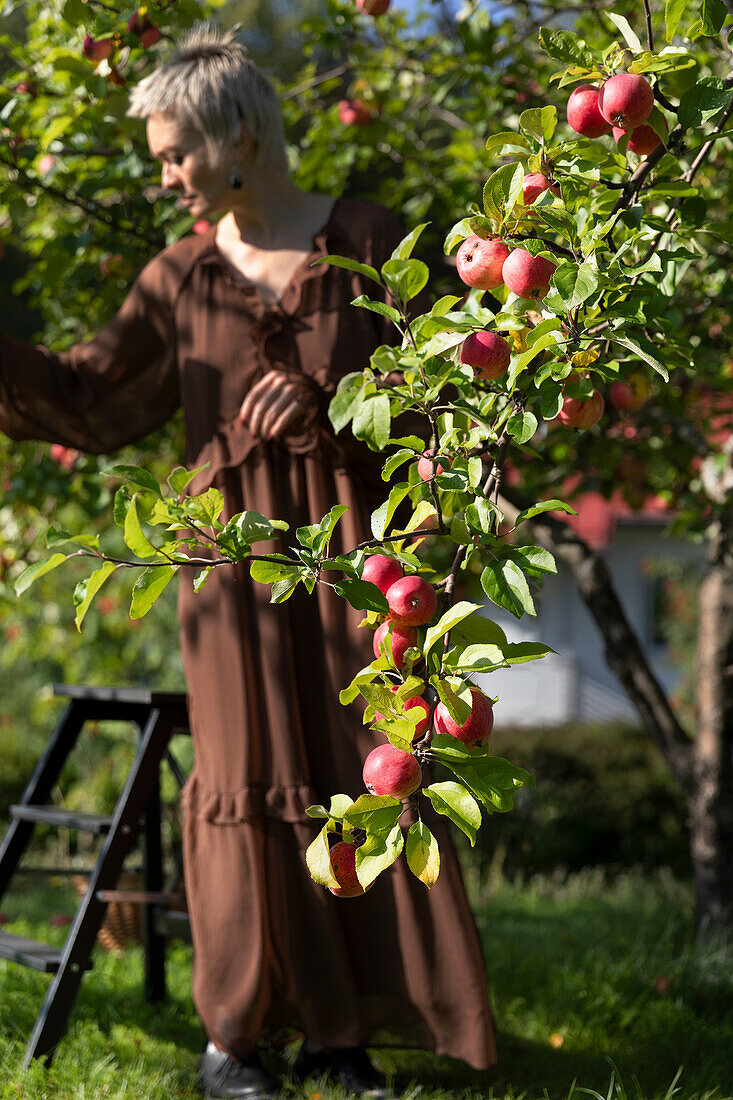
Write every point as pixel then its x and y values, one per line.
pixel 122 923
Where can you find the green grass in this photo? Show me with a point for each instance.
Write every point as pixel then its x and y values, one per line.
pixel 599 989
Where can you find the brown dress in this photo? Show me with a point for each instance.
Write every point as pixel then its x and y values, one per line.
pixel 401 966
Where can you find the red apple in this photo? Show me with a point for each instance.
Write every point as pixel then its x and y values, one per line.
pixel 626 100
pixel 577 413
pixel 426 469
pixel 642 140
pixel 480 262
pixel 354 112
pixel 150 36
pixel 412 601
pixel 584 114
pixel 414 701
pixel 382 571
pixel 487 353
pixel 343 865
pixel 141 25
pixel 535 184
pixel 477 727
pixel 97 49
pixel 64 456
pixel 632 394
pixel 402 638
pixel 527 275
pixel 373 7
pixel 391 771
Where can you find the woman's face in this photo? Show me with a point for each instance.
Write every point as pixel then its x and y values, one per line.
pixel 203 187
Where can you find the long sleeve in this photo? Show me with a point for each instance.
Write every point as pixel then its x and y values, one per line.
pixel 110 391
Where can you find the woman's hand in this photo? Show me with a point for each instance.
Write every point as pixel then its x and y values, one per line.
pixel 273 404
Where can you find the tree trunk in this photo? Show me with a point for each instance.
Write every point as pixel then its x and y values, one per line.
pixel 711 799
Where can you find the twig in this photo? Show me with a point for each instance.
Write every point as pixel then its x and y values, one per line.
pixel 88 208
pixel 649 32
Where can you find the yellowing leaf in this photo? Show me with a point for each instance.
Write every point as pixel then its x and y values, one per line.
pixel 423 854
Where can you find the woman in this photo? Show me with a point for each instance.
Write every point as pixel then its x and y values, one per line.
pixel 239 327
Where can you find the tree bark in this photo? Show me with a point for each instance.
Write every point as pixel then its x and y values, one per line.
pixel 711 801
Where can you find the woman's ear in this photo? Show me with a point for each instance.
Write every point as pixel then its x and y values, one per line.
pixel 243 148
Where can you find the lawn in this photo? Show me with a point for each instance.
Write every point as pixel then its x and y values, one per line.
pixel 598 987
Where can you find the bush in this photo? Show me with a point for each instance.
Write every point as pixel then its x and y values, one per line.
pixel 603 797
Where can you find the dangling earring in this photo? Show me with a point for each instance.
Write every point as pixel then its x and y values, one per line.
pixel 235 177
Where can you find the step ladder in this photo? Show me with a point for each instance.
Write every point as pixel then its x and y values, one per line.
pixel 158 716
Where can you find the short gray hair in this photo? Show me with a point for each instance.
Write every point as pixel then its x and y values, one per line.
pixel 211 84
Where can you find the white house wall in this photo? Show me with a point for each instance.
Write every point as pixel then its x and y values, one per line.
pixel 574 683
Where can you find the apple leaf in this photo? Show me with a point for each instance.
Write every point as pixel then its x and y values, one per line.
pixel 37 570
pixel 56 537
pixel 455 802
pixel 136 475
pixel 283 590
pixel 506 585
pixel 491 779
pixel 547 340
pixel 479 628
pixel 363 595
pixel 646 352
pixel 148 587
pixel 346 400
pixel 518 653
pixel 447 621
pixel 539 122
pixel 521 426
pixel 533 559
pixel 318 860
pixel 404 249
pixel 135 537
pixel 395 461
pixel 179 478
pixel 382 516
pixel 405 278
pixel 631 39
pixel 673 12
pixel 423 854
pixel 350 693
pixel 374 813
pixel 667 61
pixel 501 191
pixel 508 139
pixel 378 307
pixel 457 704
pixel 574 284
pixel 350 265
pixel 479 658
pixel 544 506
pixel 267 572
pixel 703 100
pixel 201 578
pixel 713 16
pixel 372 421
pixel 87 589
pixel 566 46
pixel 377 853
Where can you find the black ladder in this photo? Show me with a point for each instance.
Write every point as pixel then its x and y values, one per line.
pixel 158 715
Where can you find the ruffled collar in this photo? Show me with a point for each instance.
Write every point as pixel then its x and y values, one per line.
pixel 308 270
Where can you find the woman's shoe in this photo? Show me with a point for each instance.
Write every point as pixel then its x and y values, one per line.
pixel 350 1067
pixel 222 1077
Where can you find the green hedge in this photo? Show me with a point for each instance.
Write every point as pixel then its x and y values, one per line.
pixel 603 797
